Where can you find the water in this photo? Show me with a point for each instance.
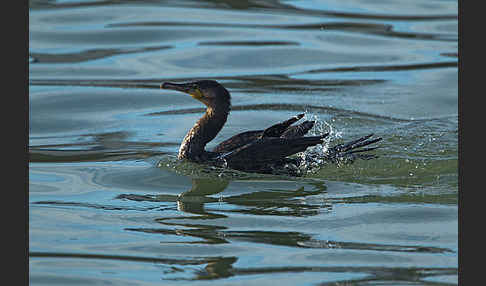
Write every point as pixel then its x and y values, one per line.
pixel 109 204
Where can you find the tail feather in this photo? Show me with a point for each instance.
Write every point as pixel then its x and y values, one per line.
pixel 362 144
pixel 349 151
pixel 347 146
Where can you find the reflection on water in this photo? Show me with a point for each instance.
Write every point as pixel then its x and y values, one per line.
pixel 278 203
pixel 259 213
pixel 110 204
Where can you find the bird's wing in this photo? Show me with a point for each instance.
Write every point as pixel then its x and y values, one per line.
pixel 238 140
pixel 269 149
pixel 298 130
pixel 276 130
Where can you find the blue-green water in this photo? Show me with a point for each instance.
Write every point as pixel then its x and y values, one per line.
pixel 109 204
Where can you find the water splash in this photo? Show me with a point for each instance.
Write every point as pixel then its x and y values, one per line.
pixel 322 127
pixel 312 159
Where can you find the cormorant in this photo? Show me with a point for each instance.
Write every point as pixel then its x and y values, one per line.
pixel 260 151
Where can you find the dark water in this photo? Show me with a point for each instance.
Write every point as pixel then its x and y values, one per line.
pixel 109 204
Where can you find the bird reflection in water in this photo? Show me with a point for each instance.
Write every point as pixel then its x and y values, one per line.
pixel 193 200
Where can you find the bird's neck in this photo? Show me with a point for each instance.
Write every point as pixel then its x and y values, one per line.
pixel 203 132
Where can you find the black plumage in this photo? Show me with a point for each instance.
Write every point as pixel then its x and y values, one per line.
pixel 261 151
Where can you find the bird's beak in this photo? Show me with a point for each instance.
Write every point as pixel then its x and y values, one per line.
pixel 188 88
pixel 183 87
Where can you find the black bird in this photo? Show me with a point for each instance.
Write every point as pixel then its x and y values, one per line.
pixel 260 151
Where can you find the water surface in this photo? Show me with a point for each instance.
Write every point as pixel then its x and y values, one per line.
pixel 109 204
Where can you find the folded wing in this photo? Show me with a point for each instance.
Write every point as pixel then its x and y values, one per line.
pixel 282 129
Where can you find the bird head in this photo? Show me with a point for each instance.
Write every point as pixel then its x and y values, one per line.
pixel 209 92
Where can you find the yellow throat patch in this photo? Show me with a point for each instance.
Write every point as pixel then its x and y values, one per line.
pixel 197 94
